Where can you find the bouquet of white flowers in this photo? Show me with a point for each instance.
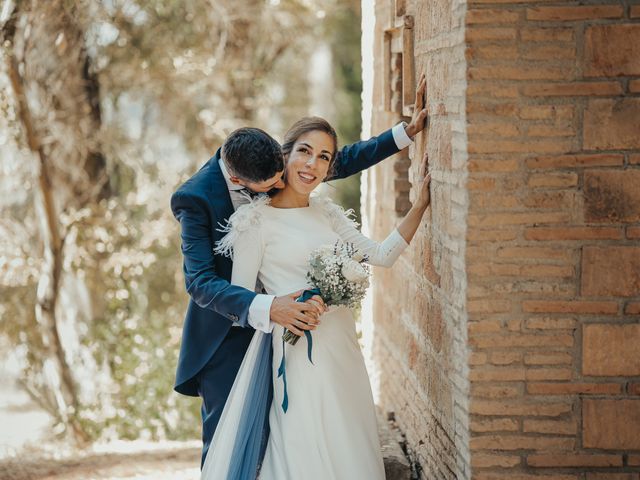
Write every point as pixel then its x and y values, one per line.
pixel 338 274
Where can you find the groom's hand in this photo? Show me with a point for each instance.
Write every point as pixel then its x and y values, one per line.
pixel 295 316
pixel 419 118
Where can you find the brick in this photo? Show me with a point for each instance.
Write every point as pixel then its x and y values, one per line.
pixel 611 476
pixel 514 325
pixel 490 90
pixel 481 184
pixel 581 307
pixel 520 442
pixel 634 11
pixel 550 323
pixel 488 306
pixel 552 200
pixel 573 233
pixel 522 340
pixel 611 424
pixel 632 308
pixel 506 358
pixel 516 218
pixel 633 389
pixel 552 358
pixel 549 373
pixel 524 72
pixel 547 52
pixel 574 388
pixel 493 202
pixel 497 374
pixel 516 270
pixel 553 180
pixel 634 86
pixel 494 460
pixel 575 161
pixel 491 235
pixel 493 165
pixel 549 145
pixel 511 475
pixel 610 271
pixel 550 131
pixel 634 159
pixel 492 53
pixel 477 358
pixel 484 326
pixel 633 460
pixel 574 460
pixel 495 391
pixel 612 50
pixel 573 89
pixel 517 407
pixel 545 112
pixel 574 13
pixel 491 15
pixel 477 34
pixel 558 427
pixel 509 286
pixel 622 119
pixel 610 350
pixel 612 195
pixel 547 34
pixel 543 253
pixel 494 425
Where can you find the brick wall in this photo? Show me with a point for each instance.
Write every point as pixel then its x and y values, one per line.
pixel 508 338
pixel 553 263
pixel 419 341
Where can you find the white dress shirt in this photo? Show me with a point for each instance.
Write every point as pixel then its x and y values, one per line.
pixel 260 308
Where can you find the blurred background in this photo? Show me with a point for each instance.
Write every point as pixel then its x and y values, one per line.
pixel 106 107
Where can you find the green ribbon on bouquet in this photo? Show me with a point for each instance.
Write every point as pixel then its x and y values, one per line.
pixel 292 338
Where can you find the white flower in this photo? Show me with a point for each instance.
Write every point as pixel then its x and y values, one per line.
pixel 354 272
pixel 358 256
pixel 324 251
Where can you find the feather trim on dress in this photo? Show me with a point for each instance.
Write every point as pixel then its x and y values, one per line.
pixel 244 218
pixel 332 209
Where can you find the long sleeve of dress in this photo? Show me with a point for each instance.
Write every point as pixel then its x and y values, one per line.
pixel 382 254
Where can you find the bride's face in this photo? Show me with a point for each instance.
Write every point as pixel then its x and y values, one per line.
pixel 309 161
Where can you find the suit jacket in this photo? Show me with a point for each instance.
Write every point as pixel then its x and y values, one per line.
pixel 201 205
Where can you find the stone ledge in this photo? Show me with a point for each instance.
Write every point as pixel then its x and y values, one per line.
pixel 396 465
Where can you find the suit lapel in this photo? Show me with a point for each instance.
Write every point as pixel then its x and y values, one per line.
pixel 219 191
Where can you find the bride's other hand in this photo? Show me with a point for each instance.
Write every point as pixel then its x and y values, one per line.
pixel 420 110
pixel 424 179
pixel 412 219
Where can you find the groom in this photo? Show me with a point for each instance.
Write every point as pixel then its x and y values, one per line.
pixel 213 339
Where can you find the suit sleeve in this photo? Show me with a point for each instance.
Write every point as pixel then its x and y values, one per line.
pixel 359 156
pixel 203 284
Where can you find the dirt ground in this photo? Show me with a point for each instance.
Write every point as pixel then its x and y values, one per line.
pixel 174 463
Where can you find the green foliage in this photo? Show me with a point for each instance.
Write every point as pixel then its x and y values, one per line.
pixel 162 77
pixel 342 29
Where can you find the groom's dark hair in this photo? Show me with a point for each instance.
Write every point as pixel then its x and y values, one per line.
pixel 252 155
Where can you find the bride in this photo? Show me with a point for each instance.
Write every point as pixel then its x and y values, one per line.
pixel 321 423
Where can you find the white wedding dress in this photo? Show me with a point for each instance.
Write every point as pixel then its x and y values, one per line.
pixel 329 430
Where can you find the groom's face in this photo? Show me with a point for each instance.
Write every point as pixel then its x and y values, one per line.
pixel 277 181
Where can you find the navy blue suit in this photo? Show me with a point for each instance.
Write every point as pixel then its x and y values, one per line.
pixel 211 351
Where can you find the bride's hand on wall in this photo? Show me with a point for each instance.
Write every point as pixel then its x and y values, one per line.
pixel 424 179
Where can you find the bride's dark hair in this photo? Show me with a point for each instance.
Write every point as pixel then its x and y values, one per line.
pixel 306 125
